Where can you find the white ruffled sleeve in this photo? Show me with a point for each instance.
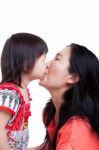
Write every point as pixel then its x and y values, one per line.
pixel 9 101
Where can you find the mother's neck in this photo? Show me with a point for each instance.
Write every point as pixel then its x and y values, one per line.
pixel 57 97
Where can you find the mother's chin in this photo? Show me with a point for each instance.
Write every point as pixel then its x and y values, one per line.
pixel 44 84
pixel 42 81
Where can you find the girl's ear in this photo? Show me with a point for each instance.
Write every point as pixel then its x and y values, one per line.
pixel 26 69
pixel 72 78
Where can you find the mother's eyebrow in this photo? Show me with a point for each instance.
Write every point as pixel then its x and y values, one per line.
pixel 59 54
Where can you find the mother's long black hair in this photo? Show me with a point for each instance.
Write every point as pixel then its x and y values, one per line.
pixel 83 98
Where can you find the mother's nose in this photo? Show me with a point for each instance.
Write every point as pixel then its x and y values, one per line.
pixel 48 64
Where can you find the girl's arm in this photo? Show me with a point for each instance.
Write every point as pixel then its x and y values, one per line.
pixel 4 117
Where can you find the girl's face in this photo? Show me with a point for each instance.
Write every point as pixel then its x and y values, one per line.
pixel 56 74
pixel 39 68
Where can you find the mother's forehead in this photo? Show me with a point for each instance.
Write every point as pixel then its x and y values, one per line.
pixel 64 51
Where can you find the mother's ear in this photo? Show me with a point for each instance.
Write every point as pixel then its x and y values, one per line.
pixel 72 78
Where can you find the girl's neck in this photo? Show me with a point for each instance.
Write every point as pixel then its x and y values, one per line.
pixel 24 85
pixel 25 81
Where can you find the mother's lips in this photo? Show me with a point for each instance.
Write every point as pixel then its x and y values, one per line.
pixel 43 76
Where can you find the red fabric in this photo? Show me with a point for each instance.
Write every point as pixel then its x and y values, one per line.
pixel 51 130
pixel 76 134
pixel 20 122
pixel 7 109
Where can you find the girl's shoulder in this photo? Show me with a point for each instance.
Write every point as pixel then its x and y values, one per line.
pixel 10 98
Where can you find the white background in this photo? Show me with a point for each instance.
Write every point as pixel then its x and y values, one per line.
pixel 58 22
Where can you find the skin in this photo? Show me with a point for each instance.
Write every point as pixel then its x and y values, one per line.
pixel 39 68
pixel 36 73
pixel 3 137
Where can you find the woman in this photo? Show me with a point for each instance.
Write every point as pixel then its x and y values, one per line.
pixel 71 117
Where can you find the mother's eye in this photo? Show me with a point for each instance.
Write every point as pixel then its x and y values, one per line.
pixel 56 58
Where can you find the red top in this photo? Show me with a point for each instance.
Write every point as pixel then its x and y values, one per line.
pixel 76 134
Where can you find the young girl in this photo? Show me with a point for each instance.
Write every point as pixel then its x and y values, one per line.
pixel 22 60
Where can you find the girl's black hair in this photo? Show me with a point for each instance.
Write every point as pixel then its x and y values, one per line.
pixel 19 55
pixel 82 99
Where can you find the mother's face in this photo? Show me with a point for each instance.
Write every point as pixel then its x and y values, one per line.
pixel 56 73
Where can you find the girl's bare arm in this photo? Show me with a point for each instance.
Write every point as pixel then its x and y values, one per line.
pixel 4 117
